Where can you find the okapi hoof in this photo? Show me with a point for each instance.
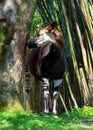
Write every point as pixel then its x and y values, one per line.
pixel 47 114
pixel 54 115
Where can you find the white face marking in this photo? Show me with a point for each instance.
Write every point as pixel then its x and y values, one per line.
pixel 45 38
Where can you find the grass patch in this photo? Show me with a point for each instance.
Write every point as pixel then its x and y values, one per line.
pixel 81 119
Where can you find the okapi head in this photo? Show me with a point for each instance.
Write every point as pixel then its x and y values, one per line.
pixel 47 35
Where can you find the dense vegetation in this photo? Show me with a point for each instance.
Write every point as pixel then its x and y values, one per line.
pixel 20 120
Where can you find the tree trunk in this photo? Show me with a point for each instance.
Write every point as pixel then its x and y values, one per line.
pixel 11 63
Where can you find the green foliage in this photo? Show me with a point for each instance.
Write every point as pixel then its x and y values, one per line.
pixel 3 31
pixel 76 120
pixel 36 23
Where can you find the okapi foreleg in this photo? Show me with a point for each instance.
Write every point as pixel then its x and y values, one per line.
pixel 26 86
pixel 45 85
pixel 57 84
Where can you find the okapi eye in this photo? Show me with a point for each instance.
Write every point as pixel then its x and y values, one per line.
pixel 38 35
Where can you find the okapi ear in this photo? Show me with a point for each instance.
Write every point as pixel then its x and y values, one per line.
pixel 52 26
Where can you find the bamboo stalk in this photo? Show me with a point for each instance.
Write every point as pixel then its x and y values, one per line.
pixel 90 51
pixel 85 12
pixel 70 91
pixel 51 9
pixel 63 103
pixel 86 93
pixel 42 12
pixel 88 18
pixel 46 8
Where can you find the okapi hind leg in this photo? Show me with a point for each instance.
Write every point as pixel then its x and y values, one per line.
pixel 45 85
pixel 26 86
pixel 57 84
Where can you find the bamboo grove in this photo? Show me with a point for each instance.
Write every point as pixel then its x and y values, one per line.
pixel 75 20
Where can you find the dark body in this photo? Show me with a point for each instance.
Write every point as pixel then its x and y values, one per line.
pixel 47 62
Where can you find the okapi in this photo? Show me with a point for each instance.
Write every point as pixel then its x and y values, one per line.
pixel 46 61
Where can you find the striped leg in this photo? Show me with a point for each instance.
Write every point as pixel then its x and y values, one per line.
pixel 57 84
pixel 45 85
pixel 26 86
